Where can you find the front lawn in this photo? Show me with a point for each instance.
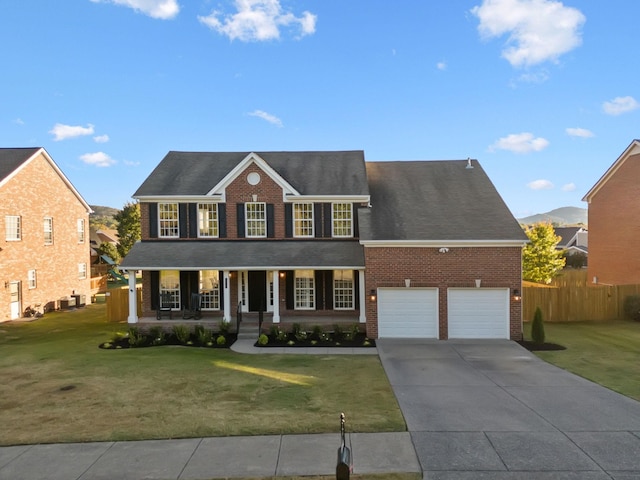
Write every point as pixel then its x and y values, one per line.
pixel 605 353
pixel 56 385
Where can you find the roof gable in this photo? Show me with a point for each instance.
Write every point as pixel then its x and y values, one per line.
pixel 632 149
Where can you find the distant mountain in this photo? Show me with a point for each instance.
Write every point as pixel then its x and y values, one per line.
pixel 103 217
pixel 560 216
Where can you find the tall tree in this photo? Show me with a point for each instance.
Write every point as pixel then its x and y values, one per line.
pixel 541 261
pixel 128 227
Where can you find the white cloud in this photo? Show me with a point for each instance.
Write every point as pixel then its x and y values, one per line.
pixel 267 117
pixel 101 138
pixel 579 132
pixel 538 30
pixel 62 132
pixel 520 143
pixel 18 121
pixel 258 20
pixel 162 9
pixel 540 185
pixel 129 163
pixel 569 187
pixel 98 159
pixel 441 66
pixel 620 105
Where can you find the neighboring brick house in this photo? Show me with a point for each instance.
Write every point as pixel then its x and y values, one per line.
pixel 614 221
pixel 409 249
pixel 44 223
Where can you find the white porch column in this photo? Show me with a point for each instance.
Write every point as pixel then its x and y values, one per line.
pixel 226 295
pixel 363 297
pixel 133 298
pixel 276 296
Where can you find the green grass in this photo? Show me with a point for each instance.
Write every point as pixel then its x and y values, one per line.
pixel 56 385
pixel 605 353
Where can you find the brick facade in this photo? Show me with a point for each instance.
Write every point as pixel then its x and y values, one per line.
pixel 36 192
pixel 614 227
pixel 458 267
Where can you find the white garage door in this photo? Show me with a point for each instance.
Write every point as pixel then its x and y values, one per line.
pixel 408 312
pixel 478 312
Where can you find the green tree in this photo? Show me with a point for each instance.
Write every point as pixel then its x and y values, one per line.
pixel 110 250
pixel 128 227
pixel 537 328
pixel 541 261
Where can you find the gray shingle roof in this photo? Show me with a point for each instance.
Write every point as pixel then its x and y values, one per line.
pixel 12 158
pixel 243 254
pixel 310 173
pixel 435 200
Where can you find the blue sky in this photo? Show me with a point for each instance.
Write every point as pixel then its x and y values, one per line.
pixel 545 94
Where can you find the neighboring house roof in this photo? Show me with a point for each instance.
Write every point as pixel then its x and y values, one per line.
pixel 243 254
pixel 309 173
pixel 632 149
pixel 437 201
pixel 12 160
pixel 570 237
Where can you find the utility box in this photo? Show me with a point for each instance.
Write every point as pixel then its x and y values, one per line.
pixel 67 303
pixel 81 300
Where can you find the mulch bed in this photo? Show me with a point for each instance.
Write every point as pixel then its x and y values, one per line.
pixel 123 342
pixel 540 347
pixel 359 340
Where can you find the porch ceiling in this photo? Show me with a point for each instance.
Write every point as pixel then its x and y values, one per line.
pixel 244 255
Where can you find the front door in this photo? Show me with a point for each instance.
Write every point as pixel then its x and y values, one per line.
pixel 257 282
pixel 14 292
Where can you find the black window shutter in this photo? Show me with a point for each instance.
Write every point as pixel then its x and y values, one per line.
pixel 271 224
pixel 328 286
pixel 354 210
pixel 183 220
pixel 193 220
pixel 288 220
pixel 289 289
pixel 317 219
pixel 328 224
pixel 240 218
pixel 155 289
pixel 184 288
pixel 221 288
pixel 319 284
pixel 356 289
pixel 222 220
pixel 153 220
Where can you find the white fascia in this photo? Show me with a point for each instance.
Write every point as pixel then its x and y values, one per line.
pixel 442 243
pixel 180 198
pixel 326 198
pixel 246 267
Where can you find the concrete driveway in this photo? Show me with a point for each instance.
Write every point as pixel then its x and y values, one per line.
pixel 491 409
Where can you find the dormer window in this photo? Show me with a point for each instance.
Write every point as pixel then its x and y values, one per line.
pixel 303 219
pixel 342 219
pixel 168 220
pixel 256 219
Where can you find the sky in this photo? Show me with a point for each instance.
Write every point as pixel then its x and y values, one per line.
pixel 544 93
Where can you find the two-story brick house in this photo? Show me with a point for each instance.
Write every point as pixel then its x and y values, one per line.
pixel 614 221
pixel 402 247
pixel 44 223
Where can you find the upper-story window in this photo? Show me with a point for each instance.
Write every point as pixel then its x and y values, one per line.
pixel 342 219
pixel 207 220
pixel 256 219
pixel 303 219
pixel 13 228
pixel 168 220
pixel 48 230
pixel 81 232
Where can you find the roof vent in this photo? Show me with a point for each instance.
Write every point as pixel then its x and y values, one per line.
pixel 469 166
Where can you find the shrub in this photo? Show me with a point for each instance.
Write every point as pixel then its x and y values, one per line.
pixel 158 336
pixel 221 340
pixel 263 339
pixel 273 330
pixel 136 338
pixel 351 333
pixel 204 336
pixel 297 328
pixel 317 331
pixel 182 333
pixel 537 328
pixel 301 336
pixel 631 307
pixel 224 327
pixel 338 332
pixel 197 331
pixel 281 335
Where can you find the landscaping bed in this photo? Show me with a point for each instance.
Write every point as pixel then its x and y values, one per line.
pixel 315 337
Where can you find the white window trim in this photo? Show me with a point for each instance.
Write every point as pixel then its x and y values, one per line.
pixel 16 235
pixel 213 293
pixel 263 220
pixel 48 220
pixel 312 295
pixel 177 220
pixel 216 222
pixel 32 279
pixel 353 299
pixel 175 292
pixel 81 230
pixel 82 271
pixel 333 220
pixel 312 220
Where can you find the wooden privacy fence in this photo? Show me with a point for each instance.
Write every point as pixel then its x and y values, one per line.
pixel 118 304
pixel 571 298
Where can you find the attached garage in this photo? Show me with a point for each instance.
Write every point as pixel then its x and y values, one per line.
pixel 478 312
pixel 408 312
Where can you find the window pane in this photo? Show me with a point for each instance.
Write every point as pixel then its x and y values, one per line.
pixel 168 220
pixel 343 289
pixel 13 229
pixel 170 284
pixel 48 231
pixel 304 290
pixel 80 231
pixel 210 289
pixel 32 279
pixel 82 271
pixel 207 220
pixel 303 219
pixel 342 221
pixel 256 219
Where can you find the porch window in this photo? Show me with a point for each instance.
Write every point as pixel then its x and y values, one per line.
pixel 13 228
pixel 168 220
pixel 342 221
pixel 48 230
pixel 256 219
pixel 343 289
pixel 209 289
pixel 170 289
pixel 208 220
pixel 81 231
pixel 303 219
pixel 304 290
